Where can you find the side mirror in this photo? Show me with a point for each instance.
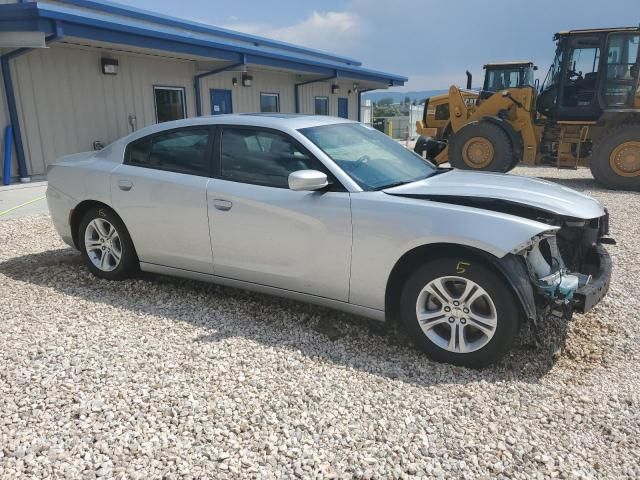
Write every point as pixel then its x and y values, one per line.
pixel 307 180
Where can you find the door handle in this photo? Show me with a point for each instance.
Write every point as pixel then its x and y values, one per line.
pixel 125 185
pixel 223 205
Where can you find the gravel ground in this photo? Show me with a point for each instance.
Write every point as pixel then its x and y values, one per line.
pixel 158 377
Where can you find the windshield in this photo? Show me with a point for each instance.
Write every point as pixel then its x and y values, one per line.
pixel 553 75
pixel 503 78
pixel 372 159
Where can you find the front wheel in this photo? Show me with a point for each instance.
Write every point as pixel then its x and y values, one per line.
pixel 459 311
pixel 106 245
pixel 483 146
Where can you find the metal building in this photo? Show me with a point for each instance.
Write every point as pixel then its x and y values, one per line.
pixel 78 74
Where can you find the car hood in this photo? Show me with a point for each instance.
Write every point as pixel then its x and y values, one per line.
pixel 495 190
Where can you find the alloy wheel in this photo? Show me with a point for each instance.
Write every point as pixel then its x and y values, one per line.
pixel 456 314
pixel 103 244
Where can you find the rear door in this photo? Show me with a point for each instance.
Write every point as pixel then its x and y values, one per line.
pixel 160 193
pixel 263 232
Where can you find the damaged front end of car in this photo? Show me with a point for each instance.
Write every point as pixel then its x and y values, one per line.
pixel 567 265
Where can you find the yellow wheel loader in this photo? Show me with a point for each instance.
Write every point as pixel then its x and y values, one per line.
pixel 587 112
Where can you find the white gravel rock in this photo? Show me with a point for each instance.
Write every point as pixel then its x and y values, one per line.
pixel 159 377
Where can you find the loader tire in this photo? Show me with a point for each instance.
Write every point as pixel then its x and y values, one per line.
pixel 615 159
pixel 482 146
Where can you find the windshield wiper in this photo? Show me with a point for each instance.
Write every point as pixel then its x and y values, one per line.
pixel 404 182
pixel 391 185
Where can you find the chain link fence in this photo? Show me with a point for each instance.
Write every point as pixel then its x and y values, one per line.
pixel 398 127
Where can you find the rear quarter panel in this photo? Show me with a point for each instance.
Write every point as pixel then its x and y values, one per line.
pixel 385 227
pixel 74 179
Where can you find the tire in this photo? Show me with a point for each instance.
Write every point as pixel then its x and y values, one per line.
pixel 482 146
pixel 610 147
pixel 494 309
pixel 112 255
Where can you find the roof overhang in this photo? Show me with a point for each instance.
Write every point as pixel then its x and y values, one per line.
pixel 49 19
pixel 22 40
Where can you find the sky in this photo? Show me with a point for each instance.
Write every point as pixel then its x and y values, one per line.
pixel 432 42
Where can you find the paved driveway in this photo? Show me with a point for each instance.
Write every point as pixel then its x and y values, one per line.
pixel 22 200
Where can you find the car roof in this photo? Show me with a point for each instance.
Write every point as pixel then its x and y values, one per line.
pixel 280 121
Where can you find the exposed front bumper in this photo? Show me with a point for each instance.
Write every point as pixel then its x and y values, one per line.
pixel 588 296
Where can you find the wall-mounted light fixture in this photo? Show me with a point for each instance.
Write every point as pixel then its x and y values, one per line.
pixel 109 66
pixel 335 89
pixel 234 81
pixel 355 87
pixel 247 80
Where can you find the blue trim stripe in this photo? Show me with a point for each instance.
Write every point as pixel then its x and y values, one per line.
pixel 11 97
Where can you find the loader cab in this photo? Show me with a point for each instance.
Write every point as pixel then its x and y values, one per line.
pixel 501 76
pixel 593 71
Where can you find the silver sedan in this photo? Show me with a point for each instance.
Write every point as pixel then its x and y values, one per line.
pixel 333 212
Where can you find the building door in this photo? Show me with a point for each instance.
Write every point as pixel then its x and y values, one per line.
pixel 343 107
pixel 220 101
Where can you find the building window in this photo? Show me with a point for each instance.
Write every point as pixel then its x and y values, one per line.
pixel 170 103
pixel 269 102
pixel 322 105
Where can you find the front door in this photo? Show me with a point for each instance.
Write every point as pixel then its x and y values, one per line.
pixel 220 101
pixel 343 107
pixel 264 233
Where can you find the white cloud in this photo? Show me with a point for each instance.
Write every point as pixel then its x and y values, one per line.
pixel 333 31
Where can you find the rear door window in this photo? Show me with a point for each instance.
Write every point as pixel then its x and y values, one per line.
pixel 182 151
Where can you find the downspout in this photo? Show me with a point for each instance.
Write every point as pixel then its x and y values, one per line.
pixel 297 91
pixel 196 81
pixel 11 100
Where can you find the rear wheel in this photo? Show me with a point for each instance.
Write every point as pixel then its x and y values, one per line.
pixel 106 245
pixel 481 146
pixel 459 311
pixel 615 161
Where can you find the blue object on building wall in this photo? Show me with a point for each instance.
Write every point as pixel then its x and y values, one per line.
pixel 8 147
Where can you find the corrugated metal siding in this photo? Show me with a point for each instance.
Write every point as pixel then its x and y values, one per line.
pixel 309 92
pixel 65 103
pixel 247 99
